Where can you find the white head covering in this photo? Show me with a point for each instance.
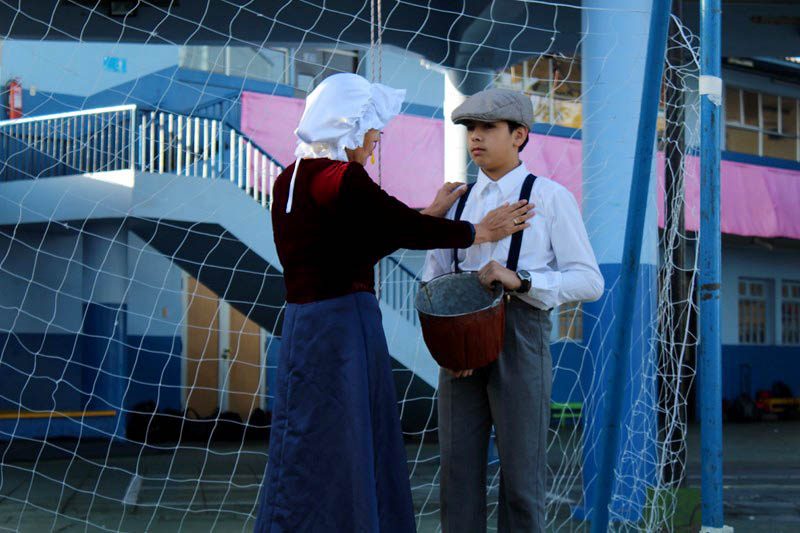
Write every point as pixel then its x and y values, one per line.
pixel 339 111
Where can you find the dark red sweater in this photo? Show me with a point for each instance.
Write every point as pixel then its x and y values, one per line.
pixel 342 223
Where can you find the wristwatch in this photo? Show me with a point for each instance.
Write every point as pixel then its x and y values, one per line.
pixel 525 278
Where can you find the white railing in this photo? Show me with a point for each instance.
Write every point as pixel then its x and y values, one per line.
pixel 399 288
pixel 204 148
pixel 129 137
pixel 96 140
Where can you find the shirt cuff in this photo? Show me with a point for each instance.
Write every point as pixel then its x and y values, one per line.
pixel 543 290
pixel 472 232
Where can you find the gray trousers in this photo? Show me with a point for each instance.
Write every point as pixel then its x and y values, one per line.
pixel 513 394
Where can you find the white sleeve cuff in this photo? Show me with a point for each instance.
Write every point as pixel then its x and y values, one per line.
pixel 545 288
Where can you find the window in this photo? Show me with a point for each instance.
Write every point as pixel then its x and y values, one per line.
pixel 303 68
pixel 270 64
pixel 312 65
pixel 761 124
pixel 554 84
pixel 755 310
pixel 790 313
pixel 570 322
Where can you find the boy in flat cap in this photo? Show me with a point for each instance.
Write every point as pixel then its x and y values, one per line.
pixel 548 264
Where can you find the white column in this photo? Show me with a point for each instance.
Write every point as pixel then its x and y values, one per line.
pixel 457 86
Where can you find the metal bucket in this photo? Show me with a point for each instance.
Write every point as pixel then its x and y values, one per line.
pixel 463 323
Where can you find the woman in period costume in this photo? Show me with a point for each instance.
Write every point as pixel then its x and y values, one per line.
pixel 336 457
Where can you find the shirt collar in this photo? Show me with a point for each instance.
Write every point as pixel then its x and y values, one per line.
pixel 508 184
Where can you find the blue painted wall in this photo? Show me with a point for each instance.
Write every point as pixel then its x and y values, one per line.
pixel 637 464
pixel 154 366
pixel 770 362
pixel 52 371
pixel 743 259
pixel 763 364
pixel 40 372
pixel 155 328
pixel 568 360
pixel 53 344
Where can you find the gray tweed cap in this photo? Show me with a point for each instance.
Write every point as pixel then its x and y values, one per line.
pixel 495 104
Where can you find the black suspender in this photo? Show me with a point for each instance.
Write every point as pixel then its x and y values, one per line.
pixel 516 239
pixel 460 209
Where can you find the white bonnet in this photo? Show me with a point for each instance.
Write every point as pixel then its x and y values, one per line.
pixel 338 113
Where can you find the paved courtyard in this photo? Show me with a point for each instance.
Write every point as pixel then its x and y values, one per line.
pixel 93 488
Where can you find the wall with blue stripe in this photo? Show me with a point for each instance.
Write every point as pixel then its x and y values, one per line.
pixel 41 363
pixel 750 368
pixel 155 327
pixel 769 261
pixel 57 352
pixel 569 360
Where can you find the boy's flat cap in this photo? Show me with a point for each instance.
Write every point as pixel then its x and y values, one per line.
pixel 496 104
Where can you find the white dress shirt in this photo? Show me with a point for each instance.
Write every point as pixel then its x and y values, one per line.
pixel 555 248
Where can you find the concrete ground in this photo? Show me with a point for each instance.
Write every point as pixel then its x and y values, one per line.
pixel 58 487
pixel 761 475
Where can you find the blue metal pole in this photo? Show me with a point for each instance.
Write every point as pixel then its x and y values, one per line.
pixel 619 360
pixel 709 350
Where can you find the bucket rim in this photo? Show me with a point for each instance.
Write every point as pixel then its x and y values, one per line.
pixel 499 292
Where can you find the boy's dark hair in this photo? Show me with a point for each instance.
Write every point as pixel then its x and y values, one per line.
pixel 513 126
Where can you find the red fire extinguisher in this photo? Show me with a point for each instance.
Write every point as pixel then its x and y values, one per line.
pixel 14 91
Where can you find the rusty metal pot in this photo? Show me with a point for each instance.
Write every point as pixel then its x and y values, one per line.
pixel 463 323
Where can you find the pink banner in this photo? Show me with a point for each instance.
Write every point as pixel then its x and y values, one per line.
pixel 756 200
pixel 412 165
pixel 270 122
pixel 557 158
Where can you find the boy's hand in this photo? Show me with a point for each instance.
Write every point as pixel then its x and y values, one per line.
pixel 494 271
pixel 445 198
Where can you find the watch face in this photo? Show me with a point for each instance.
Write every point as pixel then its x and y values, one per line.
pixel 525 277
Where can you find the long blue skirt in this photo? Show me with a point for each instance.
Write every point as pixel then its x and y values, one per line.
pixel 336 455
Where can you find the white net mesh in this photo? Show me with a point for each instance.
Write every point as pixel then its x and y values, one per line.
pixel 139 285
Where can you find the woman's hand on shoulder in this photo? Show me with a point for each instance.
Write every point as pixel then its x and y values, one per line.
pixel 445 198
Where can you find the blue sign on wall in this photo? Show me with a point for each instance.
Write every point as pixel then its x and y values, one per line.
pixel 115 64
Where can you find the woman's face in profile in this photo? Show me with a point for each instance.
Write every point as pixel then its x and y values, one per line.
pixel 362 153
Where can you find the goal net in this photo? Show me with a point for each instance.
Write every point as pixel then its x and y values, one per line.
pixel 141 296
